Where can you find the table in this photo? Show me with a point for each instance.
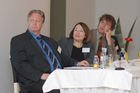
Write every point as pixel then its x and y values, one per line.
pixel 135 70
pixel 89 80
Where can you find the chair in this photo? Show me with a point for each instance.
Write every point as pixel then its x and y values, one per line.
pixel 15 81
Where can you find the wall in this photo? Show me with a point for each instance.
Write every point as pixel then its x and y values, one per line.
pixel 127 10
pixel 58 19
pixel 89 11
pixel 13 21
pixel 79 11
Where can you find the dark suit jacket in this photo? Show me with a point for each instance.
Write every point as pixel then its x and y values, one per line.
pixel 29 61
pixel 67 45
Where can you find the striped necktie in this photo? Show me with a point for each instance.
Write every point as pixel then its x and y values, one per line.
pixel 49 53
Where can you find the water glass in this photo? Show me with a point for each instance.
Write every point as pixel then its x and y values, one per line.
pixel 110 59
pixel 96 62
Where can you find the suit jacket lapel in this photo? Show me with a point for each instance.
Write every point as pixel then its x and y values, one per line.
pixel 34 43
pixel 54 48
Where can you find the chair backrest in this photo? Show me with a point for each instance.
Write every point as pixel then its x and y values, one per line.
pixel 16 87
pixel 15 81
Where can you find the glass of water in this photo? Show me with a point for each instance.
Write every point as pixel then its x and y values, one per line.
pixel 96 62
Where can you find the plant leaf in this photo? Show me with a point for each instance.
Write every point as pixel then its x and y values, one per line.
pixel 129 35
pixel 118 33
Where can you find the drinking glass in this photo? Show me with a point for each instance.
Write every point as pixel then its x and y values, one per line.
pixel 96 62
pixel 110 59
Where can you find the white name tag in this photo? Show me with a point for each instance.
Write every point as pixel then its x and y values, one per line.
pixel 85 50
pixel 59 49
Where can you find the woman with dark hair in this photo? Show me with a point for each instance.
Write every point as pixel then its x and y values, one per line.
pixel 78 46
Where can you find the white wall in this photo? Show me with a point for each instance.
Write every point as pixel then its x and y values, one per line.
pixel 13 21
pixel 127 10
pixel 79 11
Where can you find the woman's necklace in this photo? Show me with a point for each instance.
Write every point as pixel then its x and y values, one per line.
pixel 77 45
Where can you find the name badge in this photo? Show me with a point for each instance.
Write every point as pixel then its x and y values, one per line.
pixel 85 50
pixel 59 49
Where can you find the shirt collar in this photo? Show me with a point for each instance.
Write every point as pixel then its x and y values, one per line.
pixel 33 34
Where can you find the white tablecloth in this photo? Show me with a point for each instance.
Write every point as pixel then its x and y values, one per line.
pixel 135 85
pixel 88 80
pixel 85 80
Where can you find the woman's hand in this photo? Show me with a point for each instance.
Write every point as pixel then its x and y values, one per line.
pixel 108 37
pixel 83 63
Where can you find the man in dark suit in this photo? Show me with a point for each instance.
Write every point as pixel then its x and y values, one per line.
pixel 30 58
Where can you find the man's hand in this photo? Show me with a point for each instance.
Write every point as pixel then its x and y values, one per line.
pixel 83 63
pixel 44 76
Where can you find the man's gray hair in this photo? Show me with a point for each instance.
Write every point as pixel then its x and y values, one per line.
pixel 38 12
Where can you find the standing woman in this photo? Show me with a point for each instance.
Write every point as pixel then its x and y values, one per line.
pixel 78 46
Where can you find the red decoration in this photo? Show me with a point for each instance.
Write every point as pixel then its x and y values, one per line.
pixel 129 39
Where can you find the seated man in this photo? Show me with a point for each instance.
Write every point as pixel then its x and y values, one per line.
pixel 102 36
pixel 35 56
